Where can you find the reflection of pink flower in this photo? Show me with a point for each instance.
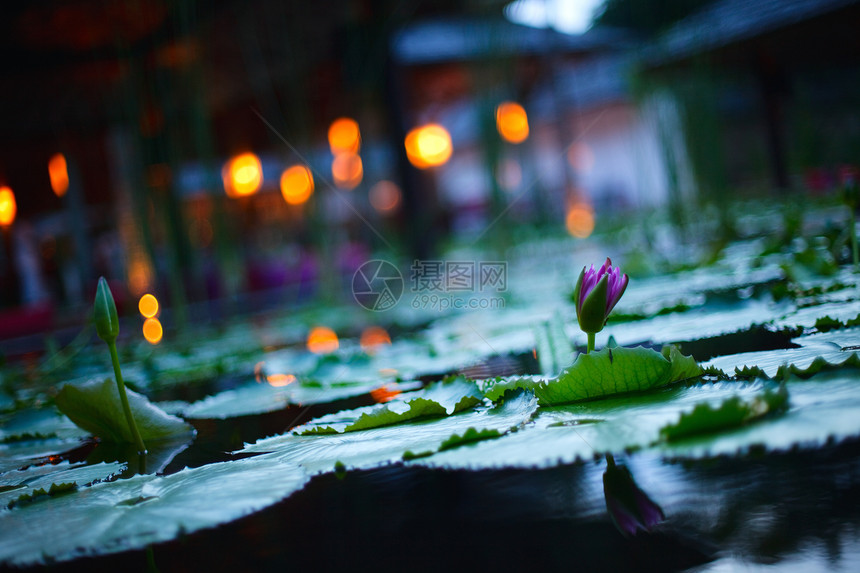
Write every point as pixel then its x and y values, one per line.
pixel 597 292
pixel 629 507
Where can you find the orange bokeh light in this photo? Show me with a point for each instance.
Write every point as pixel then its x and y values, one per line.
pixel 322 340
pixel 344 136
pixel 347 170
pixel 512 122
pixel 152 330
pixel 242 175
pixel 385 196
pixel 580 220
pixel 148 305
pixel 373 337
pixel 58 171
pixel 139 276
pixel 8 206
pixel 384 393
pixel 297 184
pixel 280 380
pixel 428 146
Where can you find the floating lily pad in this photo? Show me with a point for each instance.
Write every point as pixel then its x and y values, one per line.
pixel 137 512
pixel 369 448
pixel 732 413
pixel 833 347
pixel 824 407
pixel 257 398
pixel 25 482
pixel 439 399
pixel 605 373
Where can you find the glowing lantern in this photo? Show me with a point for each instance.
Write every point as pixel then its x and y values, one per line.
pixel 152 330
pixel 428 146
pixel 385 196
pixel 580 220
pixel 148 306
pixel 347 170
pixel 344 136
pixel 297 184
pixel 373 337
pixel 322 340
pixel 242 175
pixel 8 207
pixel 512 122
pixel 59 173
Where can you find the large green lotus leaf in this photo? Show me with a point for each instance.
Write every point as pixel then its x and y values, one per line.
pixel 648 295
pixel 824 407
pixel 438 399
pixel 134 513
pixel 835 347
pixel 257 398
pixel 732 413
pixel 26 481
pixel 369 448
pixel 806 317
pixel 605 373
pixel 696 324
pixel 96 408
pixel 463 339
pixel 38 422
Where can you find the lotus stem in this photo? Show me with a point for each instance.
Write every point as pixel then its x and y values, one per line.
pixel 123 397
pixel 590 347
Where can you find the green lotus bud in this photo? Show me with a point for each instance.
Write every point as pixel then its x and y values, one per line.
pixel 104 312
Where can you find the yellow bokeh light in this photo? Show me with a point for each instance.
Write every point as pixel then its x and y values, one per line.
pixel 428 146
pixel 580 220
pixel 8 206
pixel 297 184
pixel 152 330
pixel 148 306
pixel 59 173
pixel 242 175
pixel 385 196
pixel 373 337
pixel 322 340
pixel 280 380
pixel 512 122
pixel 344 136
pixel 347 170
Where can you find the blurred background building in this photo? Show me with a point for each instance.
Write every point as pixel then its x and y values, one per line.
pixel 236 154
